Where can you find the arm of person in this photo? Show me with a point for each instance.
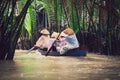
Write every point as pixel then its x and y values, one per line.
pixel 39 42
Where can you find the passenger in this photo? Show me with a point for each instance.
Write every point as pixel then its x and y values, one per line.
pixel 43 41
pixel 52 40
pixel 61 42
pixel 68 41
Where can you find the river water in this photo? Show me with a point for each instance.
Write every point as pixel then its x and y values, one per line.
pixel 38 67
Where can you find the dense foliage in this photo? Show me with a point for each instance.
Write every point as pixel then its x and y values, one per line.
pixel 95 22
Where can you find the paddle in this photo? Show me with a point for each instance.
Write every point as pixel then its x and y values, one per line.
pixel 34 47
pixel 30 50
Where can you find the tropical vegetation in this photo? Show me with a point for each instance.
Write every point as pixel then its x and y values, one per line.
pixel 95 22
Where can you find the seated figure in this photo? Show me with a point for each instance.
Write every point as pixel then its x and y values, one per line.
pixel 52 40
pixel 68 42
pixel 43 41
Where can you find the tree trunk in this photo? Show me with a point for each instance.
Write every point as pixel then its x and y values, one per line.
pixel 10 30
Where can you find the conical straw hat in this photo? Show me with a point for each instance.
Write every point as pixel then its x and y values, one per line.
pixel 44 31
pixel 54 35
pixel 63 34
pixel 68 31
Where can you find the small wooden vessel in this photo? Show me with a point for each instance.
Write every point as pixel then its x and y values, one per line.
pixel 69 53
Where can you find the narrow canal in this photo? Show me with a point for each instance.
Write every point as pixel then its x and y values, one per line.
pixel 38 67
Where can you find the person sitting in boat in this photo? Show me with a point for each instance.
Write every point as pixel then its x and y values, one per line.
pixel 53 38
pixel 68 41
pixel 61 41
pixel 43 41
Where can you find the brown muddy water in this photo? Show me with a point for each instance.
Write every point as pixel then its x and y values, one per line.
pixel 38 67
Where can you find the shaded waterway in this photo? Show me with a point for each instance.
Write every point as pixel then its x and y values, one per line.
pixel 38 67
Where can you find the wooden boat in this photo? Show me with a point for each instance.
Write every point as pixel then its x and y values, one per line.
pixel 72 52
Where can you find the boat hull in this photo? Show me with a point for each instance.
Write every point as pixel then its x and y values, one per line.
pixel 69 53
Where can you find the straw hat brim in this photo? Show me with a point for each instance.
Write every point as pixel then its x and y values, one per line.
pixel 68 31
pixel 54 35
pixel 44 31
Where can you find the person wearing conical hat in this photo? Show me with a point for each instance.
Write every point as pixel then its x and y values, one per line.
pixel 70 41
pixel 45 32
pixel 43 41
pixel 54 36
pixel 61 41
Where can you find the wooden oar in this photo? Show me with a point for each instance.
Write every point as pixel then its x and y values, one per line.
pixel 30 50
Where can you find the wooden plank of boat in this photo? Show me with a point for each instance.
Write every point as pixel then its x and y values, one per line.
pixel 69 53
pixel 52 53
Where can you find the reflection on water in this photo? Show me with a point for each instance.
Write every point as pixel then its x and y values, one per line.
pixel 37 67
